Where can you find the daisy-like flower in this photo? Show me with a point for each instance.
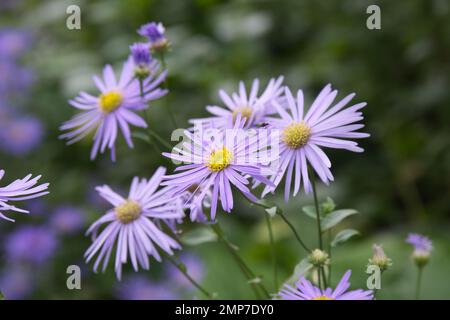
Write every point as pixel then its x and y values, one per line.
pixel 305 290
pixel 134 223
pixel 218 161
pixel 155 34
pixel 252 107
pixel 113 110
pixel 19 190
pixel 304 133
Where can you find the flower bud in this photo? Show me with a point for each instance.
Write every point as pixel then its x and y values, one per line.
pixel 421 257
pixel 318 258
pixel 379 258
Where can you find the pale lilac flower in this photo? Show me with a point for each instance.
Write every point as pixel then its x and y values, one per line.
pixel 13 43
pixel 141 288
pixel 21 135
pixel 155 34
pixel 195 205
pixel 252 106
pixel 304 133
pixel 134 224
pixel 218 161
pixel 114 110
pixel 19 190
pixel 419 242
pixel 16 282
pixel 305 290
pixel 32 244
pixel 67 219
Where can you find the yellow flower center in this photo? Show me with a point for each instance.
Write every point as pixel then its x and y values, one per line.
pixel 128 211
pixel 245 112
pixel 220 159
pixel 323 298
pixel 296 135
pixel 110 101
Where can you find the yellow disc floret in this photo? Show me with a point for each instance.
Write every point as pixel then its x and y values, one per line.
pixel 110 101
pixel 128 211
pixel 245 112
pixel 296 135
pixel 219 159
pixel 323 298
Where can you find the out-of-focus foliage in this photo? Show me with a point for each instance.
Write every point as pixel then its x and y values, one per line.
pixel 401 182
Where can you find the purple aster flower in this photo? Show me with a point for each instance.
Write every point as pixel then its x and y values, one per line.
pixel 140 52
pixel 134 224
pixel 155 33
pixel 220 159
pixel 33 244
pixel 304 290
pixel 140 288
pixel 67 219
pixel 420 242
pixel 194 267
pixel 113 110
pixel 16 282
pixel 14 79
pixel 13 43
pixel 304 133
pixel 252 107
pixel 18 190
pixel 195 205
pixel 21 135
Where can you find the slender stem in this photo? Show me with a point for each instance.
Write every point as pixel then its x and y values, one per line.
pixel 166 85
pixel 294 232
pixel 319 277
pixel 160 139
pixel 319 224
pixel 419 280
pixel 273 252
pixel 244 267
pixel 329 254
pixel 182 268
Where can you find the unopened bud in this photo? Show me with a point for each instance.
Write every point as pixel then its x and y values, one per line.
pixel 318 258
pixel 379 258
pixel 421 257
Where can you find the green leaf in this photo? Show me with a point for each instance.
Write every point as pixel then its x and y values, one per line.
pixel 300 270
pixel 198 236
pixel 140 135
pixel 270 207
pixel 335 217
pixel 328 206
pixel 310 211
pixel 343 236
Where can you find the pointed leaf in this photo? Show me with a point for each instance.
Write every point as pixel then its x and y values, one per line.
pixel 198 236
pixel 343 236
pixel 332 219
pixel 300 270
pixel 310 211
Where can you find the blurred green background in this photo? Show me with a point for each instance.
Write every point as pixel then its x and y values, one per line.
pixel 401 183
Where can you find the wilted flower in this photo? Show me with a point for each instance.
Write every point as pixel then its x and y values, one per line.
pixel 303 133
pixel 113 109
pixel 32 244
pixel 379 258
pixel 19 190
pixel 219 160
pixel 252 107
pixel 422 248
pixel 155 33
pixel 134 223
pixel 304 290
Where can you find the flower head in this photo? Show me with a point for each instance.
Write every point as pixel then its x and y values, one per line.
pixel 422 248
pixel 155 34
pixel 19 190
pixel 379 258
pixel 67 219
pixel 304 290
pixel 21 135
pixel 304 133
pixel 134 223
pixel 252 107
pixel 113 110
pixel 144 64
pixel 218 159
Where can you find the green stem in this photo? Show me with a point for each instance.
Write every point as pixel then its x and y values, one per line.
pixel 419 280
pixel 273 252
pixel 244 267
pixel 182 268
pixel 329 254
pixel 166 85
pixel 302 244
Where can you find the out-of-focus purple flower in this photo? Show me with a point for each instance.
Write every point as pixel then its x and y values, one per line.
pixel 18 190
pixel 13 43
pixel 140 53
pixel 32 244
pixel 155 33
pixel 140 288
pixel 16 282
pixel 194 267
pixel 14 79
pixel 419 242
pixel 303 134
pixel 21 135
pixel 133 223
pixel 252 107
pixel 304 290
pixel 67 219
pixel 114 110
